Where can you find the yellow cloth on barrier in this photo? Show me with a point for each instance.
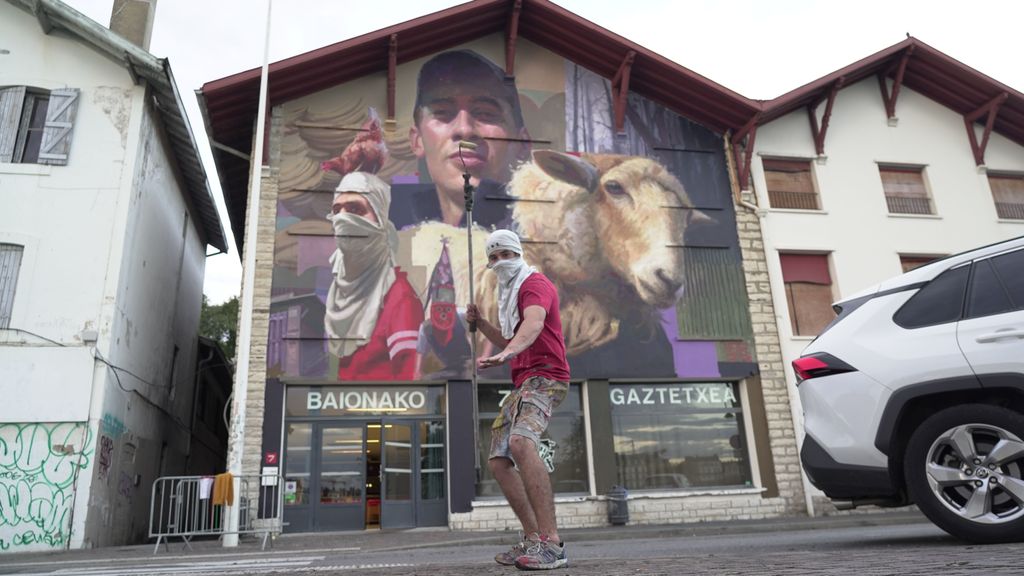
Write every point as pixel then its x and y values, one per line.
pixel 223 489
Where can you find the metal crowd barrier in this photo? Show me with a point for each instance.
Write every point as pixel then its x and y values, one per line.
pixel 182 507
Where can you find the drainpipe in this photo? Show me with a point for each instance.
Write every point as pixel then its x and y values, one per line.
pixel 794 412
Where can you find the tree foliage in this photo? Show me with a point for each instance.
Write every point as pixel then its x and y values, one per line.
pixel 220 322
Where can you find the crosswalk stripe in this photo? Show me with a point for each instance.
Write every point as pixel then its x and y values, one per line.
pixel 248 566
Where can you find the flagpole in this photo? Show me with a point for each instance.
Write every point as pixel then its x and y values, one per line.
pixel 236 436
pixel 467 190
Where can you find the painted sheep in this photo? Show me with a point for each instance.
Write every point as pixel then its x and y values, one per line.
pixel 608 231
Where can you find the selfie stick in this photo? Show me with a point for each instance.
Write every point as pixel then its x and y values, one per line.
pixel 467 190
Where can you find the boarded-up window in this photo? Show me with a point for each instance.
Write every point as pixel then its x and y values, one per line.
pixel 908 262
pixel 905 192
pixel 10 263
pixel 790 184
pixel 36 125
pixel 1008 194
pixel 808 292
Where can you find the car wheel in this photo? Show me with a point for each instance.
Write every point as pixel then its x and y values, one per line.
pixel 965 471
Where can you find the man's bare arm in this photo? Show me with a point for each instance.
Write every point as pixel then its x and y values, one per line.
pixel 529 329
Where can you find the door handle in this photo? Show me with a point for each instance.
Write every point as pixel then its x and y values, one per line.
pixel 999 335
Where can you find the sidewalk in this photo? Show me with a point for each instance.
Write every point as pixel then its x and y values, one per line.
pixel 396 540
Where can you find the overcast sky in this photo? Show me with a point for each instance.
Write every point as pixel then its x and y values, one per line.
pixel 759 48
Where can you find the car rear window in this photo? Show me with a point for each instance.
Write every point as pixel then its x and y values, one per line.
pixel 987 293
pixel 1010 268
pixel 938 302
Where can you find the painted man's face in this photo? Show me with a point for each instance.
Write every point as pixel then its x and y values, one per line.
pixel 455 113
pixel 354 203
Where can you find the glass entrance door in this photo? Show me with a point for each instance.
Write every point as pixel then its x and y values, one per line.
pixel 298 466
pixel 414 489
pixel 341 478
pixel 397 472
pixel 431 495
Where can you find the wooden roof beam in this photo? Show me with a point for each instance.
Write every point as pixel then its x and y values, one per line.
pixel 890 98
pixel 748 132
pixel 991 108
pixel 389 123
pixel 620 91
pixel 511 35
pixel 816 132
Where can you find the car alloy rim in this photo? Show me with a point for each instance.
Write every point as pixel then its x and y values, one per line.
pixel 975 470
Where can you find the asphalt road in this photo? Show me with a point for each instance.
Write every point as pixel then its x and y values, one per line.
pixel 904 549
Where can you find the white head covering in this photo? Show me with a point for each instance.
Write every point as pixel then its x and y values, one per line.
pixel 511 275
pixel 363 265
pixel 503 240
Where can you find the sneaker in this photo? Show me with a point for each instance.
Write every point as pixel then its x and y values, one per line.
pixel 509 557
pixel 544 555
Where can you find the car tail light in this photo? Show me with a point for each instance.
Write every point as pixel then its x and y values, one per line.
pixel 819 364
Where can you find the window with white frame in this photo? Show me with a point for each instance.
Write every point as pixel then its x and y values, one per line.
pixel 808 292
pixel 790 184
pixel 905 190
pixel 1008 195
pixel 36 125
pixel 10 263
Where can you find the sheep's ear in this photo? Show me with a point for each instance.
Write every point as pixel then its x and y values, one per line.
pixel 567 168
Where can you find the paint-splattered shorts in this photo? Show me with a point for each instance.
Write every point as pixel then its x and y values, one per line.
pixel 526 412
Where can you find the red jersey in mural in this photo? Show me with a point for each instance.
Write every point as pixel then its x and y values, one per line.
pixel 546 356
pixel 391 352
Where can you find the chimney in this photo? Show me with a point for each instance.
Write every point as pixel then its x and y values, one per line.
pixel 133 21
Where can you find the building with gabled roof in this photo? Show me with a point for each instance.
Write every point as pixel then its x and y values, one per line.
pixel 106 221
pixel 685 337
pixel 897 159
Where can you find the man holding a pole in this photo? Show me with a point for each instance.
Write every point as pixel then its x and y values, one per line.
pixel 531 341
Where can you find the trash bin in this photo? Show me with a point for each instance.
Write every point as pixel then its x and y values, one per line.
pixel 618 506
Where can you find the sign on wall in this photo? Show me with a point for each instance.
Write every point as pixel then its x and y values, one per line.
pixel 358 401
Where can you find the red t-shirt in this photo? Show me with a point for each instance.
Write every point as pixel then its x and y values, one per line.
pixel 390 354
pixel 546 356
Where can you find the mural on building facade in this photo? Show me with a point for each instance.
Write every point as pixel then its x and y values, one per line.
pixel 637 230
pixel 39 465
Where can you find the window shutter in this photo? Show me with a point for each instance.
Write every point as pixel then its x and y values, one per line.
pixel 10 263
pixel 11 101
pixel 60 118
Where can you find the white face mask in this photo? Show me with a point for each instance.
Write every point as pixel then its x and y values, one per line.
pixel 507 269
pixel 362 243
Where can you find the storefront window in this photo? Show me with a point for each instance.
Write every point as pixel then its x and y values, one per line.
pixel 296 472
pixel 679 436
pixel 566 429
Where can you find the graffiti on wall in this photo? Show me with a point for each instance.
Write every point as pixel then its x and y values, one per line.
pixel 39 466
pixel 105 458
pixel 637 230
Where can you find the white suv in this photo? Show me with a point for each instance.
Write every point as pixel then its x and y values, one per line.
pixel 915 394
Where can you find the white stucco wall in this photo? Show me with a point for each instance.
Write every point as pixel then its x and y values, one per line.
pixel 854 225
pixel 145 413
pixel 109 247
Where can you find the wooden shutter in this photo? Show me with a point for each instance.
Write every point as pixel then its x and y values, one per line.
pixel 11 101
pixel 790 184
pixel 808 292
pixel 10 263
pixel 905 192
pixel 908 263
pixel 60 118
pixel 1008 194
